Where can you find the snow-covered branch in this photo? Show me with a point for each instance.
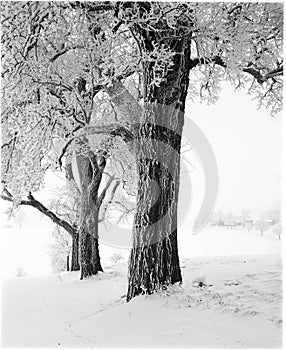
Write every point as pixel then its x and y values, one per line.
pixel 31 201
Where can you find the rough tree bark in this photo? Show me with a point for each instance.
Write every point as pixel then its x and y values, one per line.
pixel 154 260
pixel 90 169
pixel 75 253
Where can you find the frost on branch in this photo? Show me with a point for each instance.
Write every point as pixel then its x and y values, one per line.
pixel 241 43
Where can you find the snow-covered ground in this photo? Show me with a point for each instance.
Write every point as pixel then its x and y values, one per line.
pixel 241 306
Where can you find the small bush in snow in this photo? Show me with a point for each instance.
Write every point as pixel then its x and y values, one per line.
pixel 20 272
pixel 115 258
pixel 199 281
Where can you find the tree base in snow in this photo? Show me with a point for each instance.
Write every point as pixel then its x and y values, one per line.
pixel 154 267
pixel 89 257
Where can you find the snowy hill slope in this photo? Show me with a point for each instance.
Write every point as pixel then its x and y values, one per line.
pixel 239 307
pixel 214 241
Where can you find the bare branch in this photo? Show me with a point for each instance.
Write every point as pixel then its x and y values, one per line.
pixel 67 144
pixel 65 86
pixel 38 205
pixel 250 70
pixel 63 51
pixel 90 6
pixel 7 192
pixel 64 150
pixel 7 144
pixel 274 73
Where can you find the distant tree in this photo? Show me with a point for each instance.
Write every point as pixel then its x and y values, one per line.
pixel 248 225
pixel 277 230
pixel 220 217
pixel 20 272
pixel 273 215
pixel 261 225
pixel 230 220
pixel 213 221
pixel 245 214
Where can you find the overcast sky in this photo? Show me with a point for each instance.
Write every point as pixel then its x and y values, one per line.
pixel 247 146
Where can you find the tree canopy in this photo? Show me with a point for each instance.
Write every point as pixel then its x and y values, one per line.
pixel 57 57
pixel 79 78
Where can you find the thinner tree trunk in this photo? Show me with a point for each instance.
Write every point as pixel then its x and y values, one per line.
pixel 90 171
pixel 75 253
pixel 90 258
pixel 68 262
pixel 88 239
pixel 75 236
pixel 154 260
pixel 89 251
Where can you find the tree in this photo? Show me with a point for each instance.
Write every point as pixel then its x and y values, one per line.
pixel 277 230
pixel 220 41
pixel 273 215
pixel 221 217
pixel 174 50
pixel 245 214
pixel 261 225
pixel 51 82
pixel 249 224
pixel 230 220
pixel 214 219
pixel 28 114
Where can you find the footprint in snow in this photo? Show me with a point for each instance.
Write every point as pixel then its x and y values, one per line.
pixel 232 283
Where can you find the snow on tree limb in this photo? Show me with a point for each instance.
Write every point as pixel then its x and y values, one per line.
pixel 44 210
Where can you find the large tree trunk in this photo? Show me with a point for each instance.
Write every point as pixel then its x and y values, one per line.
pixel 154 260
